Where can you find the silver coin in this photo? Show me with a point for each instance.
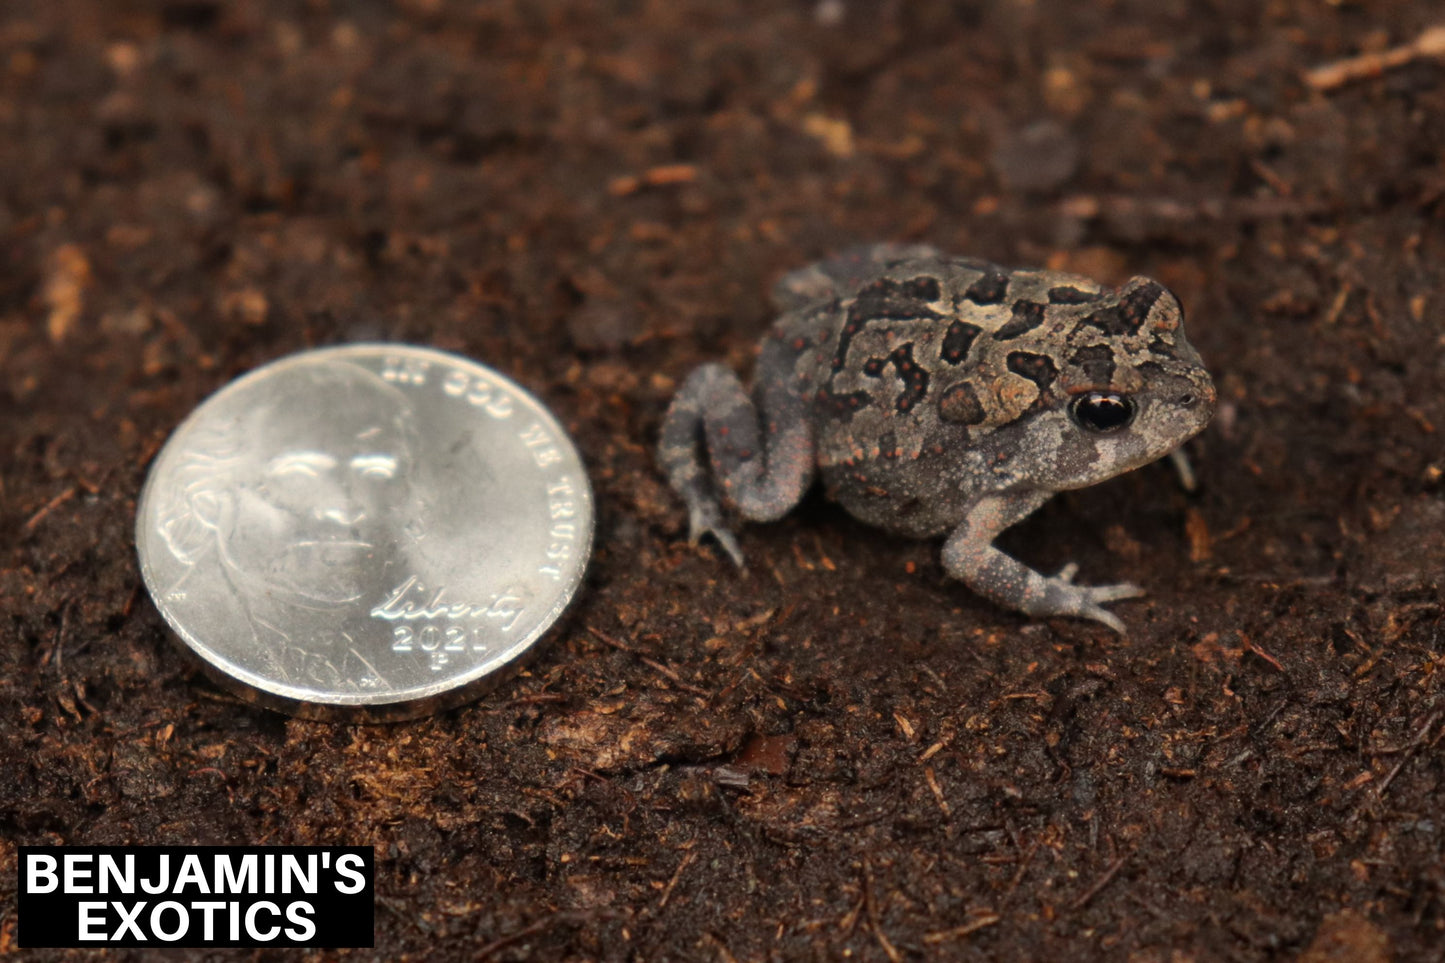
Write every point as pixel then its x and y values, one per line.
pixel 372 531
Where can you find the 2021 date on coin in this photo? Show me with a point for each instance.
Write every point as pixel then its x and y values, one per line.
pixel 369 532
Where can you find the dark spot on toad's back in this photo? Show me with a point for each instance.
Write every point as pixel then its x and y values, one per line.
pixel 989 289
pixel 1027 315
pixel 1134 307
pixel 1162 348
pixel 957 340
pixel 1068 294
pixel 1038 368
pixel 887 299
pixel 1112 321
pixel 922 288
pixel 960 405
pixel 914 378
pixel 1097 360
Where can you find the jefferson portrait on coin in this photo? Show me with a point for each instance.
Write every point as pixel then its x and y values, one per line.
pixel 302 501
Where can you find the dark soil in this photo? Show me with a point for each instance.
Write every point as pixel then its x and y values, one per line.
pixel 843 753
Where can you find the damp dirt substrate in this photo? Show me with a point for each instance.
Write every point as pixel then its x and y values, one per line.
pixel 842 752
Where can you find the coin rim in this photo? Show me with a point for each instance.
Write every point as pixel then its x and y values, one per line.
pixel 346 706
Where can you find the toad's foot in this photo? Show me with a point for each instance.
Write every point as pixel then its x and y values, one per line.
pixel 704 518
pixel 1060 596
pixel 718 446
pixel 969 555
pixel 1184 469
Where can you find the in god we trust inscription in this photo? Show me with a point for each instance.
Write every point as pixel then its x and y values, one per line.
pixel 371 531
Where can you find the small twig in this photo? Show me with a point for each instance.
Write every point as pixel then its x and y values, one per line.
pixel 1251 646
pixel 589 774
pixel 667 891
pixel 1158 912
pixel 872 909
pixel 671 673
pixel 1390 777
pixel 49 507
pixel 850 918
pixel 1094 890
pixel 1019 873
pixel 531 929
pixel 617 644
pixel 665 670
pixel 1431 43
pixel 982 919
pixel 1414 744
pixel 721 948
pixel 536 698
pixel 1278 184
pixel 932 778
pixel 130 602
pixel 60 639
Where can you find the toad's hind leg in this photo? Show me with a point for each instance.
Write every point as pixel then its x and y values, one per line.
pixel 759 449
pixel 969 555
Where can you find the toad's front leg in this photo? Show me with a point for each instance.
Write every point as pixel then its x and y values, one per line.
pixel 759 449
pixel 969 555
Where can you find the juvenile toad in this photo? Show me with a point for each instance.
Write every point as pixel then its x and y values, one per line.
pixel 942 394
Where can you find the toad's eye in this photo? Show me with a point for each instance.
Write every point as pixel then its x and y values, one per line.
pixel 1102 411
